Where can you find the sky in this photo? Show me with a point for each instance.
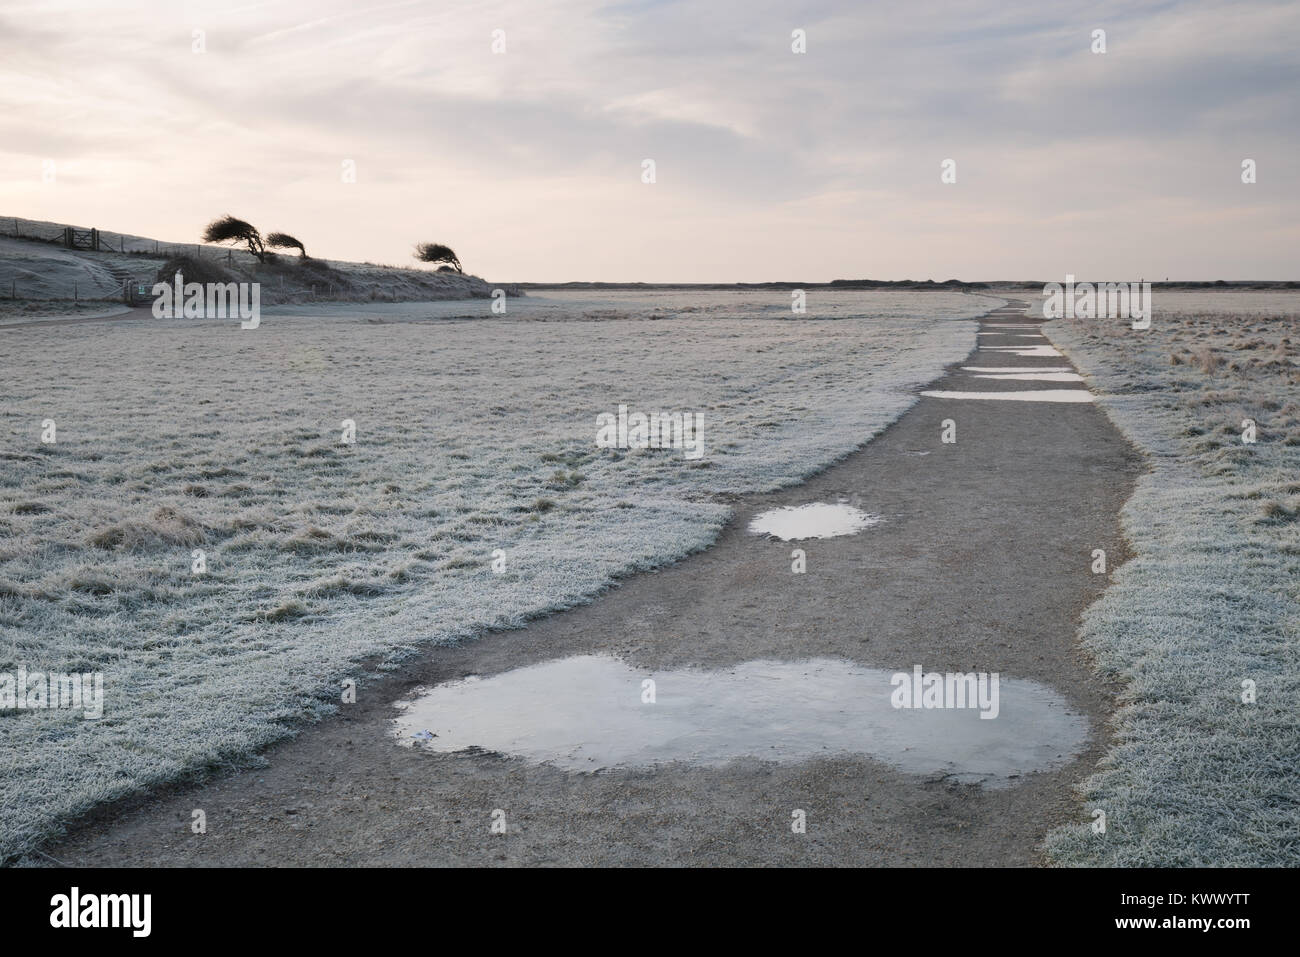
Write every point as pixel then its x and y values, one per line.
pixel 769 164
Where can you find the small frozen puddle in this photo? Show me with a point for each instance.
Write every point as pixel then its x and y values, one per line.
pixel 1015 369
pixel 818 520
pixel 1033 376
pixel 1026 395
pixel 1030 351
pixel 590 713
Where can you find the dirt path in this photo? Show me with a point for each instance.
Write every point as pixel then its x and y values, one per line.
pixel 108 314
pixel 981 564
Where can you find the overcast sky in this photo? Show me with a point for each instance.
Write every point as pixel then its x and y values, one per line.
pixel 769 164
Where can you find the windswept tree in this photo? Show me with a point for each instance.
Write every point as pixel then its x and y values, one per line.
pixel 437 253
pixel 285 241
pixel 227 229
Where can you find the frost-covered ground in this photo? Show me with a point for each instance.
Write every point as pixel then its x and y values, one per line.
pixel 563 305
pixel 471 436
pixel 1212 599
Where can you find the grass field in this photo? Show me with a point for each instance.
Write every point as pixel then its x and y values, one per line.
pixel 1212 599
pixel 471 437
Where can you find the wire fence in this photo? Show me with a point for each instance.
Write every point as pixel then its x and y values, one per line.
pixel 127 263
pixel 138 290
pixel 133 290
pixel 113 242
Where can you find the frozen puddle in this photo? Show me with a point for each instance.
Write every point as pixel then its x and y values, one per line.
pixel 1026 395
pixel 1031 351
pixel 1015 369
pixel 818 520
pixel 589 713
pixel 1033 376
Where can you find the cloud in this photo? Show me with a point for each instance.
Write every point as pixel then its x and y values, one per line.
pixel 503 154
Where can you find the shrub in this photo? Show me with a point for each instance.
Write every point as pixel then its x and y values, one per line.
pixel 437 253
pixel 285 241
pixel 228 229
pixel 193 270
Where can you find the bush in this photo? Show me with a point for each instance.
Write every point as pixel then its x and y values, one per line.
pixel 194 270
pixel 319 267
pixel 437 253
pixel 285 241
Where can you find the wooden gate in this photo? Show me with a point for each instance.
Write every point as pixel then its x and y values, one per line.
pixel 75 238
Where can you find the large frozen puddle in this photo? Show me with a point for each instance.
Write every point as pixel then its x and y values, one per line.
pixel 594 712
pixel 818 520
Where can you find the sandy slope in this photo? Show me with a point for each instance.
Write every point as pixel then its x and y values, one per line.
pixel 43 271
pixel 34 270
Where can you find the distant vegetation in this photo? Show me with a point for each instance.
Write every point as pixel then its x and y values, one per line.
pixel 438 253
pixel 202 271
pixel 228 229
pixel 285 241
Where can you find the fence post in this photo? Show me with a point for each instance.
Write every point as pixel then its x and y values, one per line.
pixel 74 292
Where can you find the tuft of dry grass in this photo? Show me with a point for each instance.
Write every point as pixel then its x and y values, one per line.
pixel 1207 360
pixel 166 525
